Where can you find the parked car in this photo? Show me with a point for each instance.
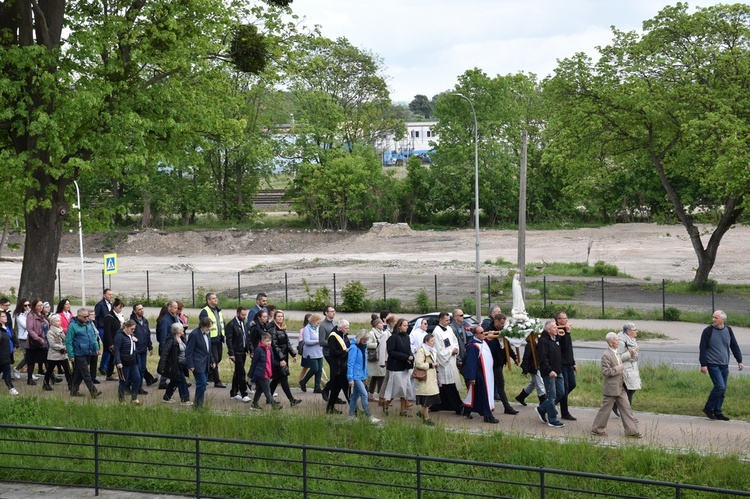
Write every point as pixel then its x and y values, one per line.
pixel 432 321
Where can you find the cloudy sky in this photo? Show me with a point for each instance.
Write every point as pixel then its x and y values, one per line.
pixel 425 45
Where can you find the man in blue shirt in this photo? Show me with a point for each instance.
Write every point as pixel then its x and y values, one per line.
pixel 716 342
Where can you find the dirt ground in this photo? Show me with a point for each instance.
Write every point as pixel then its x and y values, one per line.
pixel 264 259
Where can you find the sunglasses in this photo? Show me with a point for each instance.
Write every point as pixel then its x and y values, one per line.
pixel 26 305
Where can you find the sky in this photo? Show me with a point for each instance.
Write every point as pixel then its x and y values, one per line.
pixel 426 45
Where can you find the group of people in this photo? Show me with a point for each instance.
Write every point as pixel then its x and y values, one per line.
pixel 411 366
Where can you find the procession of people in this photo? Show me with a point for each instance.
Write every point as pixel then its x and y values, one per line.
pixel 384 363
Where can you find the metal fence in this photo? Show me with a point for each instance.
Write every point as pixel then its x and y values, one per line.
pixel 444 291
pixel 213 467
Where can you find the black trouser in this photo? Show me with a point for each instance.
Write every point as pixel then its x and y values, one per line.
pixel 216 350
pixel 335 385
pixel 93 361
pixel 35 356
pixel 500 386
pixel 82 372
pixel 60 364
pixel 238 380
pixel 284 381
pixel 376 383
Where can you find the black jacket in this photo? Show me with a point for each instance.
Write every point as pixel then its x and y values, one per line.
pixel 169 363
pixel 548 355
pixel 5 339
pixel 527 364
pixel 237 337
pixel 399 351
pixel 281 345
pixel 566 349
pixel 337 353
pixel 111 326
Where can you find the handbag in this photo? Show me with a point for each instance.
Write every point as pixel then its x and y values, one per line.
pixel 374 354
pixel 128 359
pixel 419 374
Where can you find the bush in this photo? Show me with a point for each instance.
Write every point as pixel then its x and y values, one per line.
pixel 319 299
pixel 469 305
pixel 539 311
pixel 392 304
pixel 671 314
pixel 605 269
pixel 353 294
pixel 423 301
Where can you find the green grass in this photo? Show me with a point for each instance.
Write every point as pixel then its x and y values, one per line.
pixel 395 437
pixel 688 288
pixel 584 334
pixel 577 269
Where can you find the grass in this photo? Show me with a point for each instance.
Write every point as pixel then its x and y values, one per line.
pixel 688 288
pixel 584 334
pixel 398 436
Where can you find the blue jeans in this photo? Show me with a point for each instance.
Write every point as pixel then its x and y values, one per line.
pixel 359 391
pixel 132 379
pixel 719 376
pixel 201 381
pixel 106 355
pixel 555 388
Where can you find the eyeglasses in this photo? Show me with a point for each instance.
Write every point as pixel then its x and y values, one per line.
pixel 26 305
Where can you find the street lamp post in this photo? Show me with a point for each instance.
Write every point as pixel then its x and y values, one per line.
pixel 476 205
pixel 80 243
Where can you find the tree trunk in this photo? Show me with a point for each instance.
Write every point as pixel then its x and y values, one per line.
pixel 706 256
pixel 42 243
pixel 146 215
pixel 4 240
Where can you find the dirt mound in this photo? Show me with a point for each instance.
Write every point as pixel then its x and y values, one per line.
pixel 385 229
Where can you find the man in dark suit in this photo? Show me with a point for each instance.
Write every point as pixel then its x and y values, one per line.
pixel 199 359
pixel 238 345
pixel 102 309
pixel 614 391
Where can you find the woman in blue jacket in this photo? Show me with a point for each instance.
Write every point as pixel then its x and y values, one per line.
pixel 357 373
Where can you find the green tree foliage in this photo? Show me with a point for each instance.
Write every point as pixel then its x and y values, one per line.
pixel 347 192
pixel 341 99
pixel 504 105
pixel 421 105
pixel 127 86
pixel 669 106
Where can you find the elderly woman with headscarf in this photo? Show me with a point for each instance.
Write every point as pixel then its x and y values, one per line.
pixel 628 350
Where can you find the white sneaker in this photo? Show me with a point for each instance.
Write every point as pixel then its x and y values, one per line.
pixel 13 391
pixel 374 419
pixel 34 377
pixel 16 373
pixel 236 397
pixel 167 401
pixel 246 399
pixel 276 394
pixel 187 402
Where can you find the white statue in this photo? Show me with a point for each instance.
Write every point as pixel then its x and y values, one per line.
pixel 519 308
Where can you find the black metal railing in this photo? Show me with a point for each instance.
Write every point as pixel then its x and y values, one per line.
pixel 215 467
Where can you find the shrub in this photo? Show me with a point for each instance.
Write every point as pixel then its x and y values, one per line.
pixel 423 301
pixel 671 314
pixel 353 295
pixel 540 311
pixel 392 304
pixel 319 299
pixel 469 305
pixel 605 269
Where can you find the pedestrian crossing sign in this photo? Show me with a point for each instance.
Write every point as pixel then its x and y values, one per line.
pixel 110 264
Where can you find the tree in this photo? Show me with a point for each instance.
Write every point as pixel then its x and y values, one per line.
pixel 342 101
pixel 504 105
pixel 345 192
pixel 421 105
pixel 672 103
pixel 120 87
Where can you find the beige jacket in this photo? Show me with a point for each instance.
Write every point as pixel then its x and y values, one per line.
pixel 430 385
